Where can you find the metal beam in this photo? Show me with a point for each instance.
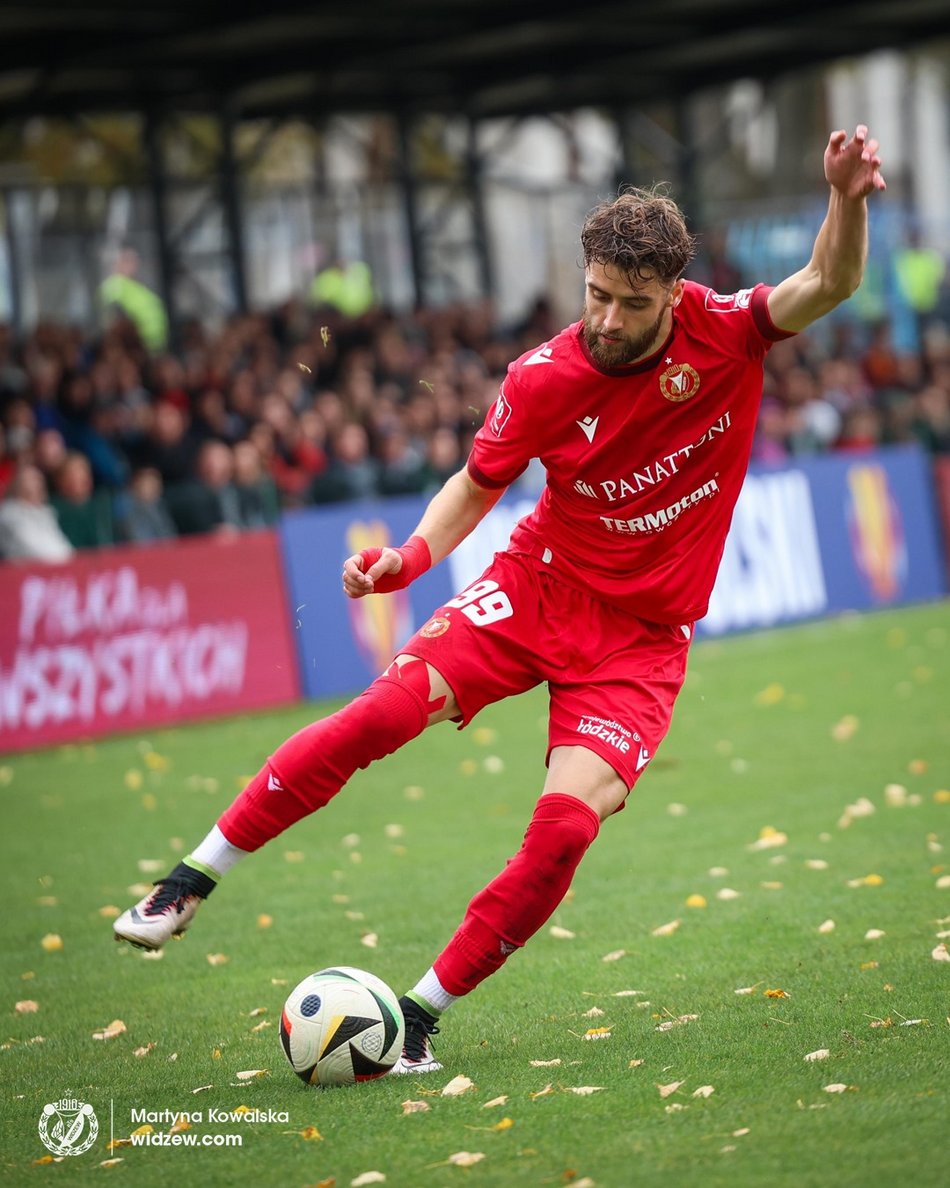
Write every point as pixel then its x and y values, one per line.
pixel 158 186
pixel 410 198
pixel 473 178
pixel 230 178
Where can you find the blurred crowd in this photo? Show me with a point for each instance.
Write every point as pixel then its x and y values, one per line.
pixel 102 442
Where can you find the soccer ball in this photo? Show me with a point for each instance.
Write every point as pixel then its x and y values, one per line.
pixel 341 1025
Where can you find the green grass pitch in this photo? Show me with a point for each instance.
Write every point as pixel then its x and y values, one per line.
pixel 775 734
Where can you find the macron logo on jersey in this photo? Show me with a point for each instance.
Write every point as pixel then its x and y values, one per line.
pixel 542 355
pixel 589 427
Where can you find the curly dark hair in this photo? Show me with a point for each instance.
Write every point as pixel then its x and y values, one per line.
pixel 641 233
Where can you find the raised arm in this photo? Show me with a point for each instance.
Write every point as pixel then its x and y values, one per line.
pixel 853 170
pixel 453 512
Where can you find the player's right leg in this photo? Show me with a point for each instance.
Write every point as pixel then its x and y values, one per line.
pixel 300 777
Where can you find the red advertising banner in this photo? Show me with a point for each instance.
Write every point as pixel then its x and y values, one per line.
pixel 127 638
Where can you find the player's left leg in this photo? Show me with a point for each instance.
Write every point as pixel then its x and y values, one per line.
pixel 607 719
pixel 522 897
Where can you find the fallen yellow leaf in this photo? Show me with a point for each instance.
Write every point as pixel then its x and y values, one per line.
pixel 458 1085
pixel 26 1006
pixel 666 929
pixel 116 1027
pixel 52 942
pixel 775 993
pixel 666 1090
pixel 496 1101
pixel 466 1158
pixel 415 1107
pixel 679 1021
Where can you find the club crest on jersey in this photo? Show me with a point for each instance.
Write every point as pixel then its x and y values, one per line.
pixel 435 627
pixel 500 414
pixel 679 382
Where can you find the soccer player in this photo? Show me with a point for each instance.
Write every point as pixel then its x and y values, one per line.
pixel 643 414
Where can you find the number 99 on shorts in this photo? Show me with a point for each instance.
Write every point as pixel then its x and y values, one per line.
pixel 483 603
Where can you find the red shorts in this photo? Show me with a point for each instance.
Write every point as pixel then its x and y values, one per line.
pixel 612 678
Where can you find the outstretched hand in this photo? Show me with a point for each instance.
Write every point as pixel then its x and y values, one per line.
pixel 363 570
pixel 852 166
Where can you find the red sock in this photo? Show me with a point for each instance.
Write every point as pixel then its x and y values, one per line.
pixel 514 905
pixel 313 765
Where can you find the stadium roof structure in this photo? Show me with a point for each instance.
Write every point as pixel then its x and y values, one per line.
pixel 481 57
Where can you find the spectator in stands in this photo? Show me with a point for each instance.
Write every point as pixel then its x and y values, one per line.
pixel 345 286
pixel 92 429
pixel 931 421
pixel 168 445
pixel 84 514
pixel 401 465
pixel 258 499
pixel 352 472
pixel 208 502
pixel 861 430
pixel 49 453
pixel 443 458
pixel 143 516
pixel 123 292
pixel 7 463
pixel 814 423
pixel 29 529
pixel 297 455
pixel 213 419
pixel 19 421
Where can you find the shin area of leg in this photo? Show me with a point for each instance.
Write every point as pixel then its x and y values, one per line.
pixel 502 917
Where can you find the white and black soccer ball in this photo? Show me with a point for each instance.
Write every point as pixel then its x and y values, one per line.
pixel 341 1025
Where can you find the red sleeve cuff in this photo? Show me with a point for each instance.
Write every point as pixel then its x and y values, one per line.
pixel 763 319
pixel 479 476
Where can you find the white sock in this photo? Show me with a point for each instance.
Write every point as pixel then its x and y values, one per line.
pixel 216 853
pixel 432 992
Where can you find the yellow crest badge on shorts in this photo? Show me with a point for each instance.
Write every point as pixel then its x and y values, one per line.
pixel 679 382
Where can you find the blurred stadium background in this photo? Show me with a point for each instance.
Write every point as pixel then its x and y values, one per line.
pixel 257 259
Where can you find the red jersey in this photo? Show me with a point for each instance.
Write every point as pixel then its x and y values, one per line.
pixel 644 462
